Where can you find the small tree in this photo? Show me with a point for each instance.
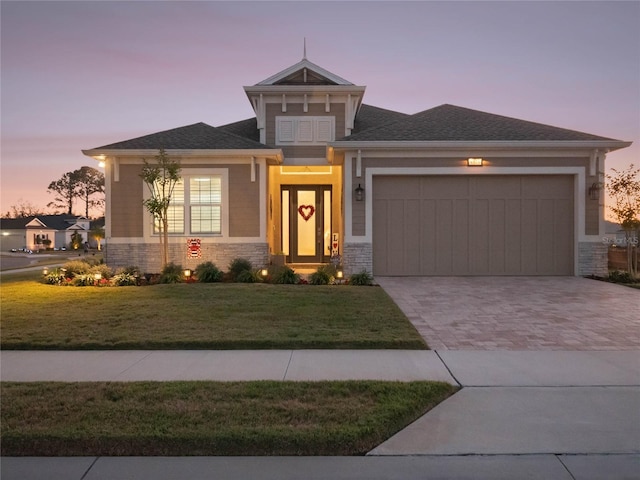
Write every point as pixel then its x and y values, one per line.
pixel 97 233
pixel 161 180
pixel 624 188
pixel 76 241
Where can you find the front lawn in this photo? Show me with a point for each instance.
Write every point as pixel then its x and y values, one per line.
pixel 209 418
pixel 200 316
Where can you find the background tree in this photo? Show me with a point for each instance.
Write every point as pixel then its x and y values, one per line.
pixel 65 191
pixel 88 182
pixel 624 188
pixel 161 180
pixel 23 209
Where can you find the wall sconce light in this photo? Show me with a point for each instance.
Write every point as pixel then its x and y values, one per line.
pixel 594 191
pixel 474 162
pixel 359 193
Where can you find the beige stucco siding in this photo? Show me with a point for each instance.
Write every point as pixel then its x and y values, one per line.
pixel 244 202
pixel 126 203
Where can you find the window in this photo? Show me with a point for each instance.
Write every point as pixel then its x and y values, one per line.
pixel 196 206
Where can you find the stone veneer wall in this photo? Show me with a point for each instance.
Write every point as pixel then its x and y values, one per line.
pixel 147 256
pixel 592 259
pixel 357 257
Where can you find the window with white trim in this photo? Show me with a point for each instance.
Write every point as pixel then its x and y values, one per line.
pixel 304 130
pixel 196 206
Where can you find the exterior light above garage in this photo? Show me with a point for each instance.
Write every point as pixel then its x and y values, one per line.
pixel 359 193
pixel 594 191
pixel 474 162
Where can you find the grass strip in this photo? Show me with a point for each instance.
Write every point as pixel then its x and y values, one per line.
pixel 209 418
pixel 36 316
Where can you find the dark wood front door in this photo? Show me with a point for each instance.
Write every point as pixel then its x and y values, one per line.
pixel 306 223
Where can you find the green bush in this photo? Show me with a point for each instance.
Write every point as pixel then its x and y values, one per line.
pixel 102 269
pixel 207 272
pixel 361 279
pixel 124 279
pixel 56 277
pixel 171 273
pixel 618 276
pixel 286 275
pixel 237 266
pixel 76 267
pixel 248 276
pixel 83 280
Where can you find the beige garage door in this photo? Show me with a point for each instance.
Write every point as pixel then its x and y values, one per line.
pixel 473 225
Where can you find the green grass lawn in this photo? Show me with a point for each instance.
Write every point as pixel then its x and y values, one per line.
pixel 200 316
pixel 209 418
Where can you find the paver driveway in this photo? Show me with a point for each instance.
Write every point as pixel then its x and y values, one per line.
pixel 519 313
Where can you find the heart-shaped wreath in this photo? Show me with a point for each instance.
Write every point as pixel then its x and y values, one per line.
pixel 306 211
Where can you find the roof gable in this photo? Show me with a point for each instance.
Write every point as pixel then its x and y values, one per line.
pixel 198 136
pixel 304 73
pixel 452 123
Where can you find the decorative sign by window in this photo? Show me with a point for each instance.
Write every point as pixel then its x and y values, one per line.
pixel 193 248
pixel 306 211
pixel 334 245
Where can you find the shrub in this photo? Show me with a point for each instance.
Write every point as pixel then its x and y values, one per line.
pixel 76 267
pixel 83 280
pixel 286 275
pixel 361 279
pixel 248 276
pixel 56 277
pixel 124 279
pixel 320 277
pixel 171 273
pixel 618 276
pixel 237 266
pixel 207 272
pixel 131 270
pixel 103 270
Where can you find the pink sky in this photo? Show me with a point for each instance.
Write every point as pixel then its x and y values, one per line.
pixel 78 75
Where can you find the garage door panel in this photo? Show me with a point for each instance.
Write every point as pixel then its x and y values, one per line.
pixel 473 225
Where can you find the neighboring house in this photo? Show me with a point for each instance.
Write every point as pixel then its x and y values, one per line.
pixel 447 191
pixel 31 232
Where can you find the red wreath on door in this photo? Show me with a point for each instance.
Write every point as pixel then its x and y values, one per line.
pixel 306 211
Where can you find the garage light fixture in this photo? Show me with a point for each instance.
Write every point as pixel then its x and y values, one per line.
pixel 474 162
pixel 359 193
pixel 594 191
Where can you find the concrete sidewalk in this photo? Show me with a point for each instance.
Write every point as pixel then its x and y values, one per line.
pixel 222 365
pixel 498 467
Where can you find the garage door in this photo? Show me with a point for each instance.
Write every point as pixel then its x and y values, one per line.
pixel 473 225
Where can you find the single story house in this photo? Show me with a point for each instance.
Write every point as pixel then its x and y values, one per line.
pixel 318 174
pixel 34 232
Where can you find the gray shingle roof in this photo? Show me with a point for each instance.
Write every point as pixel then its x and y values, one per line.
pixel 244 128
pixel 370 117
pixel 452 123
pixel 56 222
pixel 198 136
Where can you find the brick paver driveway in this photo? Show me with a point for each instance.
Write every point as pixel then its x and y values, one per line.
pixel 519 313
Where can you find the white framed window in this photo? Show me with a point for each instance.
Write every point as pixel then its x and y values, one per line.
pixel 196 205
pixel 304 130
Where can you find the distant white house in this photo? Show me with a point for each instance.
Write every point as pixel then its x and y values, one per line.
pixel 35 232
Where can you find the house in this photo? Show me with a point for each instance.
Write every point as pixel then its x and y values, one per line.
pixel 35 232
pixel 318 173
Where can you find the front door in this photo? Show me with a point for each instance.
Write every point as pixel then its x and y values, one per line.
pixel 306 223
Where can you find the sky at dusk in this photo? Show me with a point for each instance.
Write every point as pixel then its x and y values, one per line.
pixel 78 75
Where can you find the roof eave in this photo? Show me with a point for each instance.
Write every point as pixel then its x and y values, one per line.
pixel 609 145
pixel 100 154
